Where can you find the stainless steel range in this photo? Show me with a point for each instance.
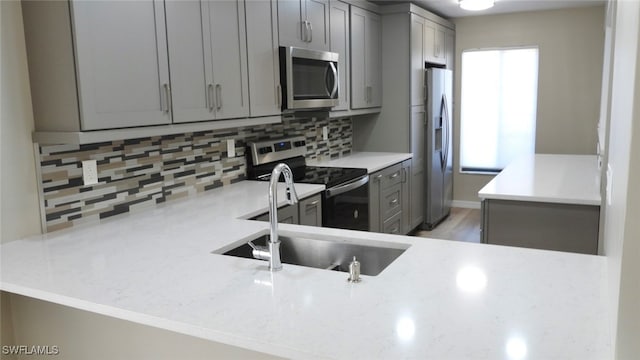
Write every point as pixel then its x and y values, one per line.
pixel 345 202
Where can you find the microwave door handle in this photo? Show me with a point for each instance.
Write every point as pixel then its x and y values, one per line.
pixel 334 71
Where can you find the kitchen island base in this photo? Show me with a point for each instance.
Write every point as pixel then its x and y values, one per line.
pixel 541 225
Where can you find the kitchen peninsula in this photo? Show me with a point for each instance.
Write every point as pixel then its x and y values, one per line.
pixel 544 201
pixel 438 300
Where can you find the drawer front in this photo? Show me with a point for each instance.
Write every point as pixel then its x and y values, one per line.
pixel 391 201
pixel 393 225
pixel 391 176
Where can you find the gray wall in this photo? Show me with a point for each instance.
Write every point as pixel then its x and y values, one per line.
pixel 570 67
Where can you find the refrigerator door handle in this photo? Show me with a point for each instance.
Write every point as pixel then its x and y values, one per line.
pixel 443 125
pixel 447 130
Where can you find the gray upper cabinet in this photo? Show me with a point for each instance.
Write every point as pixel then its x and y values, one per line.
pixel 418 89
pixel 304 23
pixel 366 59
pixel 121 63
pixel 450 48
pixel 208 60
pixel 263 59
pixel 229 52
pixel 339 16
pixel 434 43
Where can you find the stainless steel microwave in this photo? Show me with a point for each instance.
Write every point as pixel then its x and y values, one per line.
pixel 308 78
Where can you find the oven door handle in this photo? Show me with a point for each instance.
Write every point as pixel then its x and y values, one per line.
pixel 341 189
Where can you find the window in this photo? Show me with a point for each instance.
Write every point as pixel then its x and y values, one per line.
pixel 498 107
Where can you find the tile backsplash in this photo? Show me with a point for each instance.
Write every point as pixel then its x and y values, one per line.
pixel 140 173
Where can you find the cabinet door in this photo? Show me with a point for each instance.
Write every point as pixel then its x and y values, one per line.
pixel 366 59
pixel 189 43
pixel 339 16
pixel 122 66
pixel 418 119
pixel 406 196
pixel 358 74
pixel 317 14
pixel 374 201
pixel 262 55
pixel 429 42
pixel 417 60
pixel 291 29
pixel 286 215
pixel 450 48
pixel 373 58
pixel 310 211
pixel 439 50
pixel 229 52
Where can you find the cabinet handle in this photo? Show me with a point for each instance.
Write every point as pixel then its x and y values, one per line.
pixel 310 31
pixel 395 175
pixel 210 97
pixel 404 175
pixel 303 30
pixel 279 96
pixel 218 97
pixel 394 230
pixel 313 204
pixel 167 97
pixel 393 202
pixel 378 177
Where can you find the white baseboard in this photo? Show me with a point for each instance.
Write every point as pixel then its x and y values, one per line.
pixel 466 204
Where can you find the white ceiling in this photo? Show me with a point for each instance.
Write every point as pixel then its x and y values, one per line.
pixel 450 8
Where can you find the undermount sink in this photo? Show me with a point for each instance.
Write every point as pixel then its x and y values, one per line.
pixel 325 254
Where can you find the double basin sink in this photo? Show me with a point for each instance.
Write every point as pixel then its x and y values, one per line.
pixel 330 254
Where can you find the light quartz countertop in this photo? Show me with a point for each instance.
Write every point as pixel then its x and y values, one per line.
pixel 439 300
pixel 372 161
pixel 566 179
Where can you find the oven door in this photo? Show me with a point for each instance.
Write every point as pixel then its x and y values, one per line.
pixel 346 206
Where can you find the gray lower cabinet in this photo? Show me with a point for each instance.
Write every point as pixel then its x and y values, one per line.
pixel 389 194
pixel 406 197
pixel 307 211
pixel 286 215
pixel 310 211
pixel 539 225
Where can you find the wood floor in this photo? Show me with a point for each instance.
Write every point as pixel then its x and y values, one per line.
pixel 461 225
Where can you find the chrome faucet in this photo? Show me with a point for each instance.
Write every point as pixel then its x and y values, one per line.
pixel 271 252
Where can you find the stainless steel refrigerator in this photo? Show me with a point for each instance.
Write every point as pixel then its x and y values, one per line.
pixel 438 146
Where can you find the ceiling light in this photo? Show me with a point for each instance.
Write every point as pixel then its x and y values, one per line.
pixel 475 5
